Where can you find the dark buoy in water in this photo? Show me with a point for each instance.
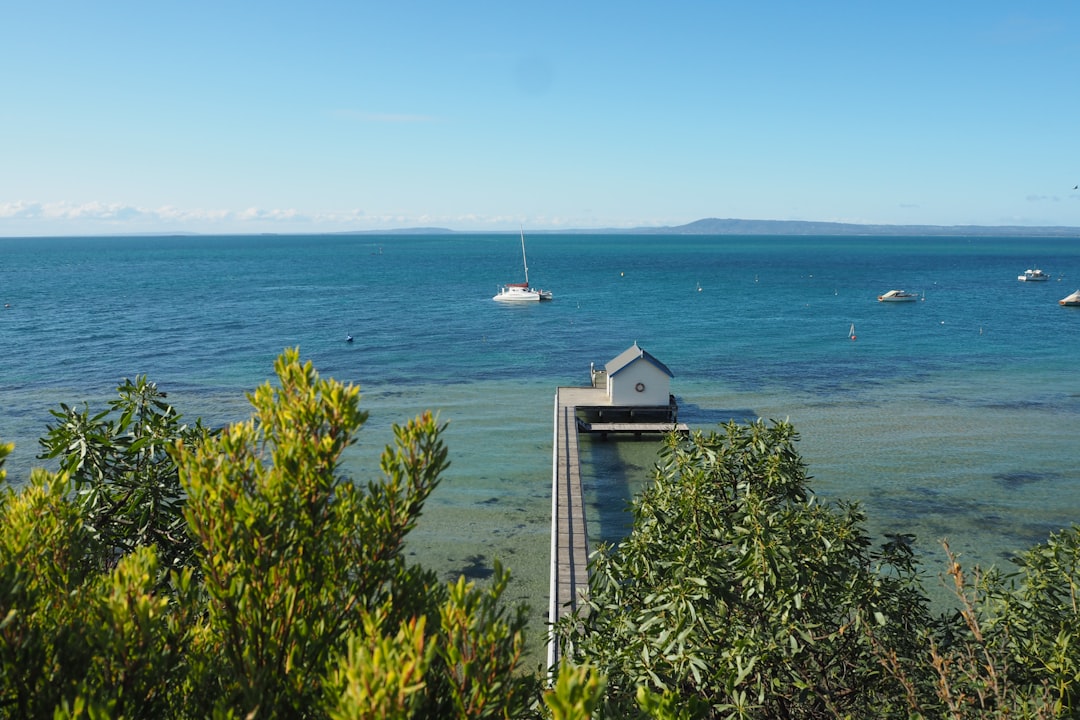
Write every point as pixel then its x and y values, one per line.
pixel 348 338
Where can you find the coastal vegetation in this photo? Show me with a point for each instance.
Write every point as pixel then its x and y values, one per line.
pixel 168 570
pixel 738 594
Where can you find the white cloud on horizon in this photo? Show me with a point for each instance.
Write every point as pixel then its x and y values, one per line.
pixel 22 217
pixel 120 213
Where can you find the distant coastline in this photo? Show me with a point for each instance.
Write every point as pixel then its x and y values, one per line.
pixel 730 226
pixel 705 226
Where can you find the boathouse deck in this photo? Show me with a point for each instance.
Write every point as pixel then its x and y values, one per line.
pixel 569 531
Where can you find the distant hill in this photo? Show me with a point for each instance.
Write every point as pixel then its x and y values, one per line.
pixel 717 226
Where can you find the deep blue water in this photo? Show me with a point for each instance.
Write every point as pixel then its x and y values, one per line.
pixel 951 417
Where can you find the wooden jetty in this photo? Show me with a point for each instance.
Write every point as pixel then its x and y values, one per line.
pixel 569 532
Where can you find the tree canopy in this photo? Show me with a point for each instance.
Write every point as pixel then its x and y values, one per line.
pixel 739 595
pixel 171 572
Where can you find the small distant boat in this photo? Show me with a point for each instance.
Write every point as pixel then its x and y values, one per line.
pixel 1072 300
pixel 898 296
pixel 1035 275
pixel 851 332
pixel 521 292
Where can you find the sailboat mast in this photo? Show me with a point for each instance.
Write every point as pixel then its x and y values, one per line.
pixel 523 260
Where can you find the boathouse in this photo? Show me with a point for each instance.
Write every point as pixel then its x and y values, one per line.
pixel 636 378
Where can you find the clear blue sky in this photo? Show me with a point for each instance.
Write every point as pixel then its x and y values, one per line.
pixel 316 116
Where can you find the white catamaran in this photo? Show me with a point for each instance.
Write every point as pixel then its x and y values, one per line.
pixel 521 292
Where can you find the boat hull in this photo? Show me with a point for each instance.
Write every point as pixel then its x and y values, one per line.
pixel 1071 300
pixel 897 296
pixel 516 297
pixel 521 294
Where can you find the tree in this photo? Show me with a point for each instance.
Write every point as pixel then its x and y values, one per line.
pixel 301 604
pixel 298 560
pixel 739 595
pixel 126 482
pixel 1010 650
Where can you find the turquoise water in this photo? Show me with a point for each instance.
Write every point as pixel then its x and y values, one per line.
pixel 951 417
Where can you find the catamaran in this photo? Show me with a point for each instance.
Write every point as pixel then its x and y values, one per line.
pixel 521 292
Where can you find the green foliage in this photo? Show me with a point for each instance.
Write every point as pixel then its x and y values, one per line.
pixel 1011 650
pixel 480 648
pixel 294 600
pixel 5 450
pixel 669 705
pixel 576 694
pixel 739 591
pixel 168 573
pixel 300 554
pixel 739 596
pixel 279 536
pixel 381 677
pixel 72 636
pixel 42 565
pixel 135 641
pixel 1039 610
pixel 469 668
pixel 126 482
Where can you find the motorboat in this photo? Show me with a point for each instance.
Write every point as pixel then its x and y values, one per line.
pixel 1035 275
pixel 898 296
pixel 521 292
pixel 1073 300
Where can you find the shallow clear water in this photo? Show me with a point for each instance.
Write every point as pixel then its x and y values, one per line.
pixel 950 417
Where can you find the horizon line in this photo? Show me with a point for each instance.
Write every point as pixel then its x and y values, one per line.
pixel 703 226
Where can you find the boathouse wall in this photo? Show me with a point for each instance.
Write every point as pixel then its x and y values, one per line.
pixel 639 384
pixel 636 378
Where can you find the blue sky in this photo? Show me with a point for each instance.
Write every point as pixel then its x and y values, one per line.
pixel 120 117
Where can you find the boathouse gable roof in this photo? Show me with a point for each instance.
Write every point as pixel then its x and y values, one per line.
pixel 633 353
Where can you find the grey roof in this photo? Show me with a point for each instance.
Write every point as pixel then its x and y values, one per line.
pixel 628 356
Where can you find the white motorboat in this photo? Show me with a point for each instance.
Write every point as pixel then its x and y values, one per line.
pixel 521 292
pixel 898 296
pixel 1035 275
pixel 1073 300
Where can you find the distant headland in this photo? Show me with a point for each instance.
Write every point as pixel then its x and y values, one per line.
pixel 717 226
pixel 728 226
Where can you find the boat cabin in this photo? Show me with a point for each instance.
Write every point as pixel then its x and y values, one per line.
pixel 636 378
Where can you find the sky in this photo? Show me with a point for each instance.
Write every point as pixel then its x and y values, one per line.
pixel 320 116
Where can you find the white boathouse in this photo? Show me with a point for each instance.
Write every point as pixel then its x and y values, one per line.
pixel 636 378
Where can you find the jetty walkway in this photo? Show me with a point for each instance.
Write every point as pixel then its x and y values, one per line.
pixel 584 409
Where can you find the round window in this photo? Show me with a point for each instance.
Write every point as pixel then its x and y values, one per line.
pixel 640 387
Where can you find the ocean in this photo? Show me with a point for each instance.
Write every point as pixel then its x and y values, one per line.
pixel 951 417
